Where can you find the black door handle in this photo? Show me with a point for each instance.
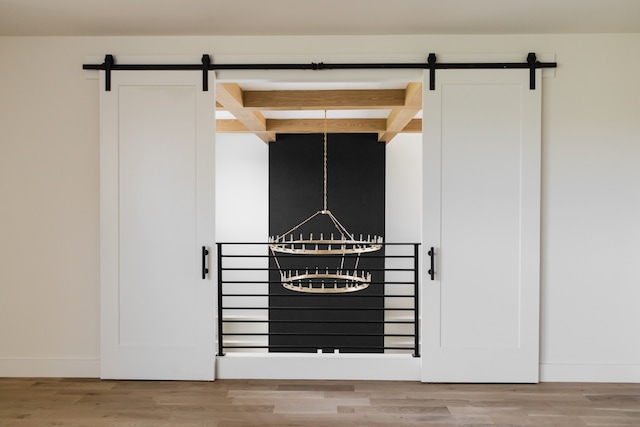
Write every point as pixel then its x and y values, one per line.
pixel 432 270
pixel 205 270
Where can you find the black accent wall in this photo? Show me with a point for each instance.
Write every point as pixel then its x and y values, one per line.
pixel 356 191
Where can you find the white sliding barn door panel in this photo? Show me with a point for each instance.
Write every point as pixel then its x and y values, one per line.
pixel 482 215
pixel 157 213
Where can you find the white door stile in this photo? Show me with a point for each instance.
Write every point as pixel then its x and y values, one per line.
pixel 157 133
pixel 481 210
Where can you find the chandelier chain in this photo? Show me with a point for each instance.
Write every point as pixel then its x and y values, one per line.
pixel 325 160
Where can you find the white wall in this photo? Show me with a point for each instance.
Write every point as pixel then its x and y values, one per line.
pixel 590 228
pixel 242 215
pixel 403 224
pixel 591 212
pixel 242 188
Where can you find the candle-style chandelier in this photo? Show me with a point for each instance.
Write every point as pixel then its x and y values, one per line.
pixel 343 276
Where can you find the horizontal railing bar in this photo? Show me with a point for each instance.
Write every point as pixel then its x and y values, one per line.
pixel 363 256
pixel 227 347
pixel 399 322
pixel 251 282
pixel 245 256
pixel 268 243
pixel 321 308
pixel 287 257
pixel 347 295
pixel 265 282
pixel 319 334
pixel 301 269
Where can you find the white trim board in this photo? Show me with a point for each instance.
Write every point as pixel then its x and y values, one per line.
pixel 589 372
pixel 321 366
pixel 390 368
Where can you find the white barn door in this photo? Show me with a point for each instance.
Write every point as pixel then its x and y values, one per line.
pixel 157 132
pixel 482 216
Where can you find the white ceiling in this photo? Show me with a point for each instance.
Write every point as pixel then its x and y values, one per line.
pixel 315 17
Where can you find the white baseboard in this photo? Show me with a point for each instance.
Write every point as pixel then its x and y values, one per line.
pixel 68 368
pixel 574 372
pixel 318 367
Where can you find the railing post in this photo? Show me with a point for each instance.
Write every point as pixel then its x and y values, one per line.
pixel 220 319
pixel 416 301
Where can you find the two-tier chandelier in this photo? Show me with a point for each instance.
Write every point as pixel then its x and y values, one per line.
pixel 343 276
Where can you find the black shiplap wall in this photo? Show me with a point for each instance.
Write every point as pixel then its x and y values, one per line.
pixel 356 191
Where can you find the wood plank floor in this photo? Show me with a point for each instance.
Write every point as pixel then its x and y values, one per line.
pixel 91 402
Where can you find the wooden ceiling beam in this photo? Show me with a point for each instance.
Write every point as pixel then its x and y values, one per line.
pixel 230 96
pixel 404 105
pixel 324 99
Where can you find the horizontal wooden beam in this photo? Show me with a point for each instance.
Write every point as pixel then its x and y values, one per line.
pixel 414 126
pixel 323 99
pixel 317 126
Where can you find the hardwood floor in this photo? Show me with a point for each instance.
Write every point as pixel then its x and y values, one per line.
pixel 91 402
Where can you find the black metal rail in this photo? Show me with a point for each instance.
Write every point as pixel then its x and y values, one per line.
pixel 432 65
pixel 244 313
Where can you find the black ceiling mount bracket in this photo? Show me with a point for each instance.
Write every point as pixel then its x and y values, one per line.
pixel 206 63
pixel 108 66
pixel 432 71
pixel 532 64
pixel 531 60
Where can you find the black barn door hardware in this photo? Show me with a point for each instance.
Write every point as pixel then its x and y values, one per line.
pixel 432 65
pixel 432 71
pixel 205 269
pixel 432 270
